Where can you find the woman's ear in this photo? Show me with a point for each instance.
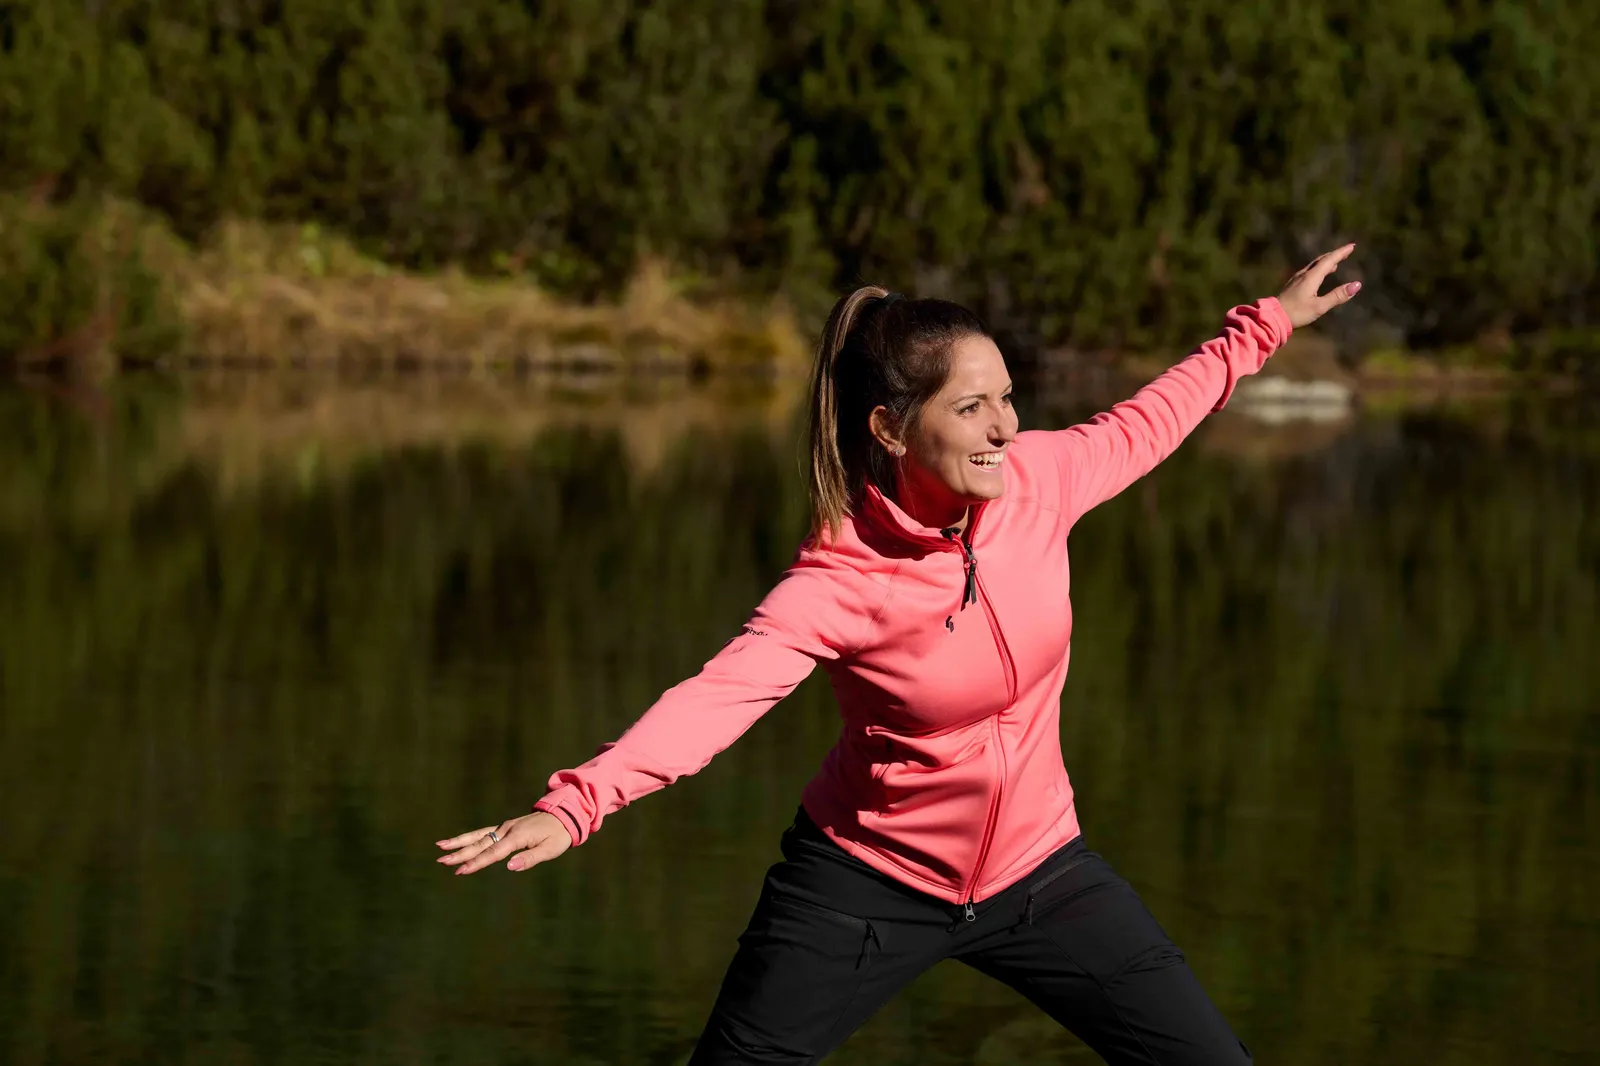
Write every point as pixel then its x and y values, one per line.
pixel 886 432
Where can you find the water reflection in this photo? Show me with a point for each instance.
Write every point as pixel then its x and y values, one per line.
pixel 1332 709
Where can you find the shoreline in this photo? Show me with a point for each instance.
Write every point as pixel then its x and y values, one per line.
pixel 276 296
pixel 248 432
pixel 257 297
pixel 1309 369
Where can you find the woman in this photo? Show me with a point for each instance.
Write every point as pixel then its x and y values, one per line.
pixel 941 825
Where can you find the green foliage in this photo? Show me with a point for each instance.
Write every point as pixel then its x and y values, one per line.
pixel 1094 171
pixel 76 280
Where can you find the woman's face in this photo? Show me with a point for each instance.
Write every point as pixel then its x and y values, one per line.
pixel 954 456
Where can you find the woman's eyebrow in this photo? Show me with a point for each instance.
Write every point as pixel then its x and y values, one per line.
pixel 980 395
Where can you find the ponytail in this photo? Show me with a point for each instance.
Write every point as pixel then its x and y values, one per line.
pixel 830 484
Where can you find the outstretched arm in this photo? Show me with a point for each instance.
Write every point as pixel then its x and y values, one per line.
pixel 690 723
pixel 1105 455
pixel 797 625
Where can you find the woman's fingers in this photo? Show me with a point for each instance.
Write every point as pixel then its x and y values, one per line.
pixel 465 838
pixel 471 850
pixel 1302 298
pixel 532 839
pixel 1328 262
pixel 492 853
pixel 1342 295
pixel 1314 273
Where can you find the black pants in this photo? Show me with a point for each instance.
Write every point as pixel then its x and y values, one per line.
pixel 832 940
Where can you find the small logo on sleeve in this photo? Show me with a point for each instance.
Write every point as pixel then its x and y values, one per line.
pixel 745 631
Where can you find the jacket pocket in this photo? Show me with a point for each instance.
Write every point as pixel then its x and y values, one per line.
pixel 955 784
pixel 897 761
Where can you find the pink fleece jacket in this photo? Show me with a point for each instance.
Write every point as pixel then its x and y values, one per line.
pixel 947 658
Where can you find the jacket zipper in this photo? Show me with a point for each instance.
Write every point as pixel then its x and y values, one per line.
pixel 972 593
pixel 1001 645
pixel 1010 668
pixel 988 825
pixel 969 593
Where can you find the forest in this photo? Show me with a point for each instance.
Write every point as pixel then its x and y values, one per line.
pixel 1105 174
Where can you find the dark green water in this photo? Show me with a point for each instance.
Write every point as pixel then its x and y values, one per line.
pixel 1337 715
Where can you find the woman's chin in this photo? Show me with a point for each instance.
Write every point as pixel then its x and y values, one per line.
pixel 985 486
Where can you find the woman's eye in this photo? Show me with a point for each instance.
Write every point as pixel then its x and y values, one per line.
pixel 1006 399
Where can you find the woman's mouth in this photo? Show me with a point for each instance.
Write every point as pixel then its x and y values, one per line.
pixel 986 460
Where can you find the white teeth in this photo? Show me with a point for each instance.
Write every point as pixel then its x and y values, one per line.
pixel 988 459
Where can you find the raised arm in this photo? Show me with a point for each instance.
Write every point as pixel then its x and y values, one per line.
pixel 1106 454
pixel 804 620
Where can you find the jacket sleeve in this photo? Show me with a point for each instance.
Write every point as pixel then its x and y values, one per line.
pixel 694 720
pixel 1106 454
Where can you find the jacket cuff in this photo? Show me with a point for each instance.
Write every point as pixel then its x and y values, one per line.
pixel 1269 317
pixel 1278 317
pixel 551 804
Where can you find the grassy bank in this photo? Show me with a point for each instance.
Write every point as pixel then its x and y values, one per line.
pixel 101 286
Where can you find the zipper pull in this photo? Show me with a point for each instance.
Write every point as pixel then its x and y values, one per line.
pixel 969 594
pixel 971 915
pixel 868 943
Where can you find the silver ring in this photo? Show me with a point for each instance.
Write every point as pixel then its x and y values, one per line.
pixel 494 836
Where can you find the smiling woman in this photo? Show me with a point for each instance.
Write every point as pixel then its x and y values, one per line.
pixel 942 824
pixel 957 445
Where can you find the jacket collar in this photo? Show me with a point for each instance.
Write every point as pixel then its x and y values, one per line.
pixel 881 515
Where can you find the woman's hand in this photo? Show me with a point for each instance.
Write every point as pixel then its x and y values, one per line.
pixel 1299 298
pixel 529 840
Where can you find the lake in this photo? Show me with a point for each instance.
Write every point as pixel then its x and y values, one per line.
pixel 1334 710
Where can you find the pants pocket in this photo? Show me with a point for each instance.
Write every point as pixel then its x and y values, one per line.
pixel 799 967
pixel 1060 885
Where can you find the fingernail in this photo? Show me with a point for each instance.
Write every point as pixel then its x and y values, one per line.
pixel 1355 287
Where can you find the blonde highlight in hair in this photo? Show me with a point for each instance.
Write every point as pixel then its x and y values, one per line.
pixel 874 352
pixel 830 483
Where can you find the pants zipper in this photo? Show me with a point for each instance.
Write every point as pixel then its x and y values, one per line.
pixel 870 945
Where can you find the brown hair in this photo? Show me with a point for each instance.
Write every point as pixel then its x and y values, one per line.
pixel 878 349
